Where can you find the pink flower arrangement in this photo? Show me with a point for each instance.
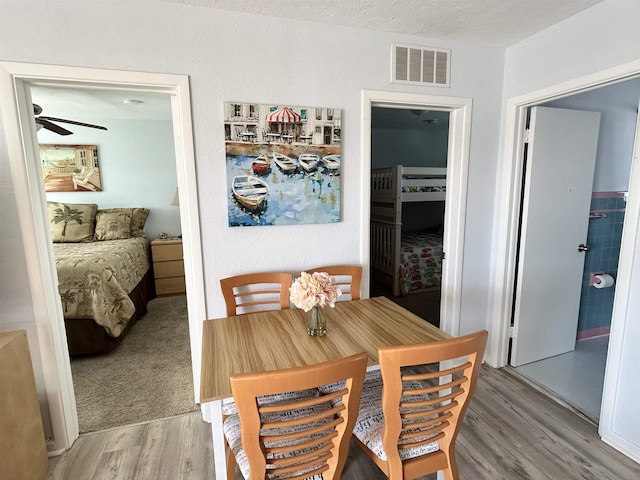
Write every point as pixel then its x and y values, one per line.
pixel 314 290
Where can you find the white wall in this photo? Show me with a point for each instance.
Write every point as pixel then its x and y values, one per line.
pixel 602 37
pixel 137 168
pixel 231 57
pixel 425 147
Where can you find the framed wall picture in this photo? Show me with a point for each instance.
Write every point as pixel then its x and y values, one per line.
pixel 70 168
pixel 283 164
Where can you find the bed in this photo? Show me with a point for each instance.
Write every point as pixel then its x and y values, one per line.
pixel 104 271
pixel 410 261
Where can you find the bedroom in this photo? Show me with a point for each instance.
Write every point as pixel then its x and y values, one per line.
pixel 136 165
pixel 407 219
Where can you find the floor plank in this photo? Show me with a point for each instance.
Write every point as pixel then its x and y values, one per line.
pixel 512 431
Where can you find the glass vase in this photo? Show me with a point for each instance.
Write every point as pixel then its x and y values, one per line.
pixel 317 325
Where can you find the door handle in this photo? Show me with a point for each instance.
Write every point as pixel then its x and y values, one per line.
pixel 583 248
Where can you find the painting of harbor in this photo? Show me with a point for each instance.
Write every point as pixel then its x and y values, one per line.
pixel 283 164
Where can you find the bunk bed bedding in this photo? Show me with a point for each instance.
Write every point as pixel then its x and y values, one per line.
pixel 420 261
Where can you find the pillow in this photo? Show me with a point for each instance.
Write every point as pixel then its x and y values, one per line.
pixel 72 222
pixel 138 217
pixel 112 226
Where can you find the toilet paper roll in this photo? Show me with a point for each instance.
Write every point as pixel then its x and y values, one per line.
pixel 603 281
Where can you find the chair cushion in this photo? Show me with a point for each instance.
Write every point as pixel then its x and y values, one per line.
pixel 370 423
pixel 232 433
pixel 229 406
pixel 371 379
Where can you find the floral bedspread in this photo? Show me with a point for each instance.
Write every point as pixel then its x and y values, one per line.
pixel 420 261
pixel 95 279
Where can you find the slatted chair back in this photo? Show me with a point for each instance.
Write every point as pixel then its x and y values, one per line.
pixel 426 389
pixel 298 437
pixel 253 292
pixel 347 277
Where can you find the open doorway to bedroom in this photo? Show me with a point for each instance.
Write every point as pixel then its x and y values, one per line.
pixel 409 149
pixel 128 337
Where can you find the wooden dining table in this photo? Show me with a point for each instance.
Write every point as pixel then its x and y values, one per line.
pixel 274 340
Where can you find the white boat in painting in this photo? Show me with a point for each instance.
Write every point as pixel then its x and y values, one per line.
pixel 309 161
pixel 249 191
pixel 286 164
pixel 332 163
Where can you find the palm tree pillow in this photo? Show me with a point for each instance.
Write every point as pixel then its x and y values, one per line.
pixel 72 222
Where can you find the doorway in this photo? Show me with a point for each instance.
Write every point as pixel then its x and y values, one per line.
pixel 134 167
pixel 459 110
pixel 577 377
pixel 415 139
pixel 21 140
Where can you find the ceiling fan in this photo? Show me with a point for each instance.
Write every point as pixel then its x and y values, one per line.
pixel 46 122
pixel 425 116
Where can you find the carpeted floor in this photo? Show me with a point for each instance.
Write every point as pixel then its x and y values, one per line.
pixel 146 378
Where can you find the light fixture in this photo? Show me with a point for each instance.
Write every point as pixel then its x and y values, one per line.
pixel 132 101
pixel 176 200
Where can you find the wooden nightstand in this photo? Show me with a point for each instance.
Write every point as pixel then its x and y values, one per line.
pixel 168 267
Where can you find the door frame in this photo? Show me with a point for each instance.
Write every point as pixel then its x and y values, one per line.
pixel 505 247
pixel 456 195
pixel 22 144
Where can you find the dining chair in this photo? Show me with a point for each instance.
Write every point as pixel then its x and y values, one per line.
pixel 347 277
pixel 294 438
pixel 253 292
pixel 410 417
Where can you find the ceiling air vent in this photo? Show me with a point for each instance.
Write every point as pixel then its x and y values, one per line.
pixel 420 65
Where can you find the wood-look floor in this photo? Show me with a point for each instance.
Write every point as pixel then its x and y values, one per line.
pixel 511 432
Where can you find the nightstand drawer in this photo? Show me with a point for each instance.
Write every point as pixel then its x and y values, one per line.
pixel 174 268
pixel 169 286
pixel 168 251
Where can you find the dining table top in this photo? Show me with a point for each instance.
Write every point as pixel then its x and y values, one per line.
pixel 278 339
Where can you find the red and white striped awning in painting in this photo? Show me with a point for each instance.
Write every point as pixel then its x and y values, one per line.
pixel 284 115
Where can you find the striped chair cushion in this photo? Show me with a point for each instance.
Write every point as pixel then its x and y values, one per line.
pixel 229 406
pixel 232 433
pixel 370 422
pixel 370 381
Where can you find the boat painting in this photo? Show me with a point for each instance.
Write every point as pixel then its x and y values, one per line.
pixel 277 177
pixel 331 163
pixel 286 164
pixel 293 198
pixel 261 165
pixel 309 161
pixel 249 191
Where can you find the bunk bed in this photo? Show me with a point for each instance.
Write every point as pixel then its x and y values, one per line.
pixel 411 261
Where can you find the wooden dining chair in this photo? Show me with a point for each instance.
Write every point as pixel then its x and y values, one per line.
pixel 347 277
pixel 255 292
pixel 295 438
pixel 410 417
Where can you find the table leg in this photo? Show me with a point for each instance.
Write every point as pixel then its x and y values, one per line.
pixel 217 436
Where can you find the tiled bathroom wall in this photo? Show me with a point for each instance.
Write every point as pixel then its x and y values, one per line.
pixel 603 238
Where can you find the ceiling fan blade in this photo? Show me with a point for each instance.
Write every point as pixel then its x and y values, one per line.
pixel 53 127
pixel 73 122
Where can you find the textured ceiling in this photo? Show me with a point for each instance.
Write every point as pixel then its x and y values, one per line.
pixel 487 22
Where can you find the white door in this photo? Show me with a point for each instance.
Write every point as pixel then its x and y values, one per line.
pixel 559 168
